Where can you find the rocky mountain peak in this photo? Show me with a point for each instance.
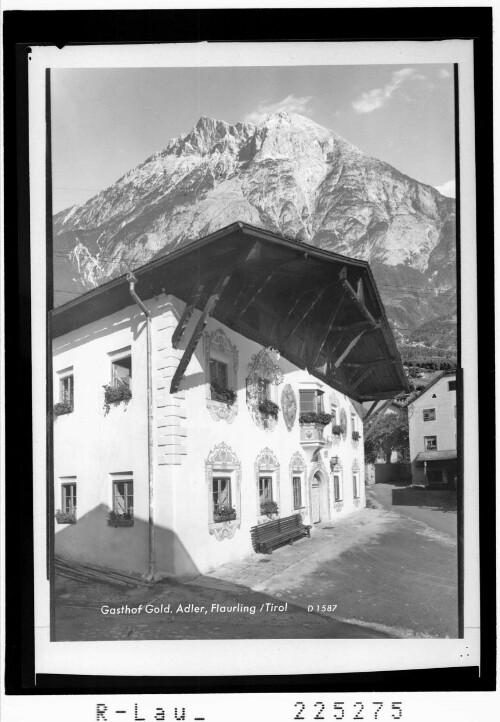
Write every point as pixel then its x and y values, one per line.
pixel 287 174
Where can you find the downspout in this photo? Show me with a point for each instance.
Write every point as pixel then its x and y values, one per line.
pixel 151 570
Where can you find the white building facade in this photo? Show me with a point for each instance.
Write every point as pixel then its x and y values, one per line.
pixel 432 421
pixel 238 432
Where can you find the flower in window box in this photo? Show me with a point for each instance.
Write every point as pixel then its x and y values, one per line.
pixel 115 395
pixel 313 417
pixel 63 407
pixel 65 517
pixel 337 429
pixel 224 512
pixel 355 435
pixel 268 507
pixel 219 393
pixel 116 518
pixel 269 408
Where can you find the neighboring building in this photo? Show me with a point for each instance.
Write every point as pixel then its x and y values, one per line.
pixel 246 331
pixel 432 419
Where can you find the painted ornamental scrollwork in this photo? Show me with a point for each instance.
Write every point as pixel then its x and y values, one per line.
pixel 262 368
pixel 338 505
pixel 289 406
pixel 267 463
pixel 218 341
pixel 223 460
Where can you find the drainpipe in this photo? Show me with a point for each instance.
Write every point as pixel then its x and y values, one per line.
pixel 151 570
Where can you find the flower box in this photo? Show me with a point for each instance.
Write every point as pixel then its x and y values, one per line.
pixel 224 512
pixel 226 396
pixel 65 517
pixel 313 417
pixel 337 429
pixel 355 435
pixel 115 395
pixel 63 407
pixel 269 408
pixel 115 519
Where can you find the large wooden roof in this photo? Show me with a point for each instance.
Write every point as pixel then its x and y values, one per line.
pixel 322 311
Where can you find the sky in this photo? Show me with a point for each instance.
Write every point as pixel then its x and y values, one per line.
pixel 106 121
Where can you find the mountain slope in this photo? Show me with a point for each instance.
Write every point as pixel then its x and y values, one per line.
pixel 288 175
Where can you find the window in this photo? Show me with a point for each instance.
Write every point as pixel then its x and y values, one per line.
pixel 264 389
pixel 297 492
pixel 355 484
pixel 66 386
pixel 68 501
pixel 452 385
pixel 221 491
pixel 429 414
pixel 336 487
pixel 218 374
pixel 123 497
pixel 121 372
pixel 265 488
pixel 311 401
pixel 430 443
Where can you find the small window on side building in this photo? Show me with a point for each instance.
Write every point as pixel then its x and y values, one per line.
pixel 430 443
pixel 452 385
pixel 429 414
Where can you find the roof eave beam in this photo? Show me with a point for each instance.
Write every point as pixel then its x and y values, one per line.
pixel 358 300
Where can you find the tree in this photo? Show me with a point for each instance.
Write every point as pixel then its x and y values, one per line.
pixel 386 433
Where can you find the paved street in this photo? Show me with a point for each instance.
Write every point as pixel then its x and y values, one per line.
pixel 390 569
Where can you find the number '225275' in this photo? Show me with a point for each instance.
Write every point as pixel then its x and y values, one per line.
pixel 359 711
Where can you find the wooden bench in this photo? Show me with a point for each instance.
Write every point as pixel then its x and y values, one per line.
pixel 278 531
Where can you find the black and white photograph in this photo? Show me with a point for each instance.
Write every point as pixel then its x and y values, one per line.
pixel 254 352
pixel 254 359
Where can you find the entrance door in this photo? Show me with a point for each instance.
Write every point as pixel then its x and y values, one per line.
pixel 315 501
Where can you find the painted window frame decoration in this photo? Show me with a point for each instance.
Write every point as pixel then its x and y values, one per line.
pixel 218 347
pixel 267 465
pixel 222 462
pixel 263 368
pixel 298 468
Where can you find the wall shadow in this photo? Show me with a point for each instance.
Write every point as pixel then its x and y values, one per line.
pixel 434 499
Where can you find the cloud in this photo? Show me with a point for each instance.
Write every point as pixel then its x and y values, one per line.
pixel 447 189
pixel 444 74
pixel 376 98
pixel 290 104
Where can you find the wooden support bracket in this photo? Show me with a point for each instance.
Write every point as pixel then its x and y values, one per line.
pixel 348 349
pixel 331 321
pixel 196 335
pixel 358 299
pixel 186 315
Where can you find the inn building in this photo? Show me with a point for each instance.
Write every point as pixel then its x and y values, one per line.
pixel 210 391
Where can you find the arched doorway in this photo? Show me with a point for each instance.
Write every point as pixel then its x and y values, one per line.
pixel 319 498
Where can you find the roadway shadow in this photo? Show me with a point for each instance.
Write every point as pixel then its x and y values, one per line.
pixel 444 500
